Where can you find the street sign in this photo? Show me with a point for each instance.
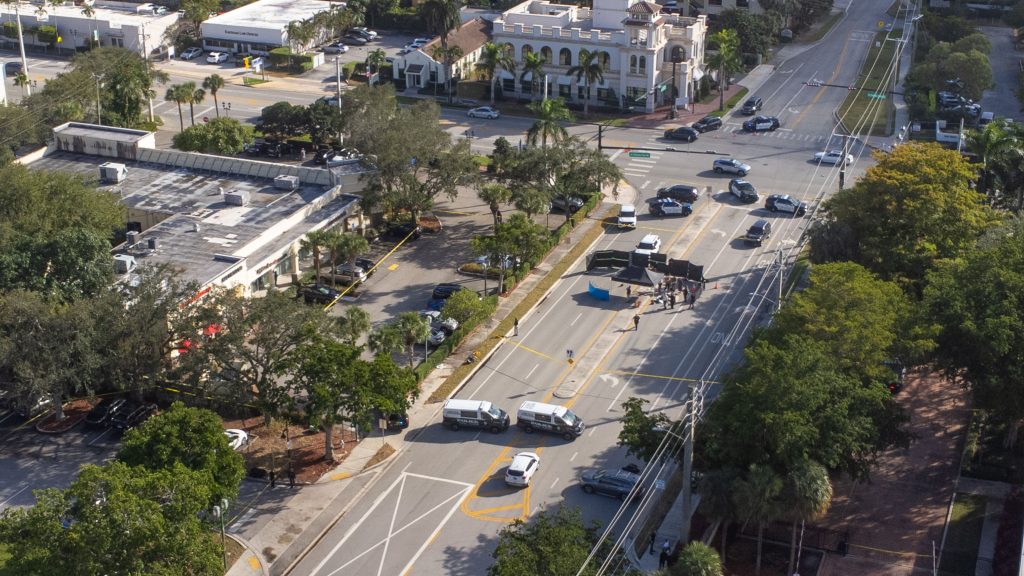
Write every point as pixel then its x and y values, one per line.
pixel 876 95
pixel 639 154
pixel 206 119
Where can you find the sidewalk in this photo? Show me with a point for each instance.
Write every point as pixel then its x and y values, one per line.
pixel 297 521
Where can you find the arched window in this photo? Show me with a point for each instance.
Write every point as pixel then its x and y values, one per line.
pixel 546 53
pixel 642 67
pixel 632 64
pixel 638 64
pixel 677 54
pixel 605 59
pixel 525 51
pixel 565 57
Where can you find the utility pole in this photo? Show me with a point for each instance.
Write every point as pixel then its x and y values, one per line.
pixel 778 303
pixel 21 44
pixel 687 495
pixel 99 117
pixel 842 165
pixel 960 135
pixel 600 133
pixel 337 69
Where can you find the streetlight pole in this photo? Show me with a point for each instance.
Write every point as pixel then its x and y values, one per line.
pixel 99 110
pixel 220 510
pixel 691 416
pixel 337 72
pixel 21 45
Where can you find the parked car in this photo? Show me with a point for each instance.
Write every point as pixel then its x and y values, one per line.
pixel 237 439
pixel 436 336
pixel 365 33
pixel 30 406
pixel 707 124
pixel 318 294
pixel 761 124
pixel 730 165
pixel 684 133
pixel 752 105
pixel 484 112
pixel 403 230
pixel 323 154
pixel 275 149
pixel 190 53
pixel 449 325
pixel 132 415
pixel 832 157
pixel 758 233
pixel 445 290
pixel 101 413
pixel 335 48
pixel 680 193
pixel 568 204
pixel 354 39
pixel 368 265
pixel 217 57
pixel 615 483
pixel 743 190
pixel 785 203
pixel 649 244
pixel 345 273
pixel 669 207
pixel 522 468
pixel 343 156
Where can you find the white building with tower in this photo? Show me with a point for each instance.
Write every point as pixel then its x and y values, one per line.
pixel 649 58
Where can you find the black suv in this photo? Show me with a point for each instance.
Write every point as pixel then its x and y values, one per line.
pixel 131 414
pixel 318 294
pixel 752 105
pixel 446 290
pixel 758 233
pixel 707 123
pixel 101 414
pixel 681 193
pixel 403 229
pixel 614 483
pixel 684 133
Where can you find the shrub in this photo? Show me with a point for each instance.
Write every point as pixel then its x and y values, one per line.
pixel 280 56
pixel 11 29
pixel 47 34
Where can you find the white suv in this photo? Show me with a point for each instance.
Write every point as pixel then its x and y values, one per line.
pixel 627 216
pixel 649 244
pixel 524 465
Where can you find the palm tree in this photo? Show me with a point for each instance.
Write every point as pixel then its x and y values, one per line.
pixel 349 246
pixel 533 64
pixel 993 144
pixel 213 83
pixel 441 17
pixel 726 60
pixel 716 501
pixel 21 79
pixel 447 56
pixel 697 559
pixel 590 70
pixel 757 499
pixel 375 59
pixel 315 241
pixel 180 94
pixel 196 96
pixel 495 195
pixel 414 330
pixel 492 59
pixel 550 114
pixel 806 495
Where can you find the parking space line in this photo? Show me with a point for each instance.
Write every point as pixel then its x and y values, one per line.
pixel 13 496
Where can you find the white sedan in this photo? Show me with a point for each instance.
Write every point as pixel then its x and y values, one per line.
pixel 524 465
pixel 191 53
pixel 217 57
pixel 484 112
pixel 237 439
pixel 832 157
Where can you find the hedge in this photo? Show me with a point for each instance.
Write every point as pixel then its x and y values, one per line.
pixel 11 29
pixel 452 342
pixel 47 34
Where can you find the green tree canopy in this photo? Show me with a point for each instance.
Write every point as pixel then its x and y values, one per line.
pixel 979 302
pixel 218 136
pixel 697 559
pixel 931 213
pixel 553 543
pixel 192 437
pixel 283 120
pixel 115 520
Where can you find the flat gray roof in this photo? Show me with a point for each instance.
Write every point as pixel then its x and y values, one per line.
pixel 268 224
pixel 275 14
pixel 106 132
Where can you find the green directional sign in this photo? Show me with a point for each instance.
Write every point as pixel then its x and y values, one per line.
pixel 877 95
pixel 639 154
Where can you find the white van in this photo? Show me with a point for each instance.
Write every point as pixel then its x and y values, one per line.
pixel 549 418
pixel 474 414
pixel 627 216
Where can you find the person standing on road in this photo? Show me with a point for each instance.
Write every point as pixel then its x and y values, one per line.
pixel 515 327
pixel 629 292
pixel 291 477
pixel 273 479
pixel 693 298
pixel 686 293
pixel 636 322
pixel 672 300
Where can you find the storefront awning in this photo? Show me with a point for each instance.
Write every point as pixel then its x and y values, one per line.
pixel 414 69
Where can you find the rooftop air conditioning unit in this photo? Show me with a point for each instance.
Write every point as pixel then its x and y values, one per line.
pixel 131 238
pixel 239 198
pixel 113 172
pixel 286 182
pixel 123 263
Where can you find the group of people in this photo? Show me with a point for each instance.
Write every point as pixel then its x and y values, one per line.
pixel 669 290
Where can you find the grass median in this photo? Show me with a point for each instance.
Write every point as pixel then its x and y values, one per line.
pixel 869 108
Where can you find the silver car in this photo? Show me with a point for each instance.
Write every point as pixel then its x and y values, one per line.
pixel 731 166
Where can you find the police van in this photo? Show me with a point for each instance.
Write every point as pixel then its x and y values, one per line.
pixel 475 414
pixel 549 418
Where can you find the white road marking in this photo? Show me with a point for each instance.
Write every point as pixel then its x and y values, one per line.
pixel 592 430
pixel 530 373
pixel 646 184
pixel 15 495
pixel 556 482
pixel 573 457
pixel 574 320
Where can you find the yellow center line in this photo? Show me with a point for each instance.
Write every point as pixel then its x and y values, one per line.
pixel 702 231
pixel 528 349
pixel 586 348
pixel 499 509
pixel 456 213
pixel 821 90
